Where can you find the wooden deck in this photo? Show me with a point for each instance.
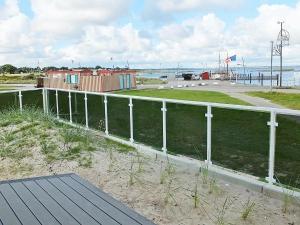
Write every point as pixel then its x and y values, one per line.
pixel 63 199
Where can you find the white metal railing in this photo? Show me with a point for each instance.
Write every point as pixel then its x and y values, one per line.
pixel 209 115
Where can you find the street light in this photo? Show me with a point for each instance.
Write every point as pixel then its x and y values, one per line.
pixel 282 40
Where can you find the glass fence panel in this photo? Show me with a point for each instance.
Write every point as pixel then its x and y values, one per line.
pixel 240 140
pixel 52 102
pixel 96 115
pixel 118 117
pixel 287 153
pixel 148 123
pixel 78 108
pixel 63 105
pixel 186 130
pixel 32 99
pixel 9 100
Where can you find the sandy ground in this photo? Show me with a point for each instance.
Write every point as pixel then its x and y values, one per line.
pixel 161 191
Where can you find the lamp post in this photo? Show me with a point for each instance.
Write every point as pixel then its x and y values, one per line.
pixel 280 49
pixel 272 52
pixel 282 40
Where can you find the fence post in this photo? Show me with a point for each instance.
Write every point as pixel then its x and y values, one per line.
pixel 164 111
pixel 20 101
pixel 70 107
pixel 273 124
pixel 56 100
pixel 208 115
pixel 44 101
pixel 86 111
pixel 106 115
pixel 47 101
pixel 131 119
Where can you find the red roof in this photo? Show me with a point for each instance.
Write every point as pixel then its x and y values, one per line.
pixel 89 72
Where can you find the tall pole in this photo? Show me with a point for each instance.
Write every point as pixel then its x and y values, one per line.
pixel 227 66
pixel 281 54
pixel 244 68
pixel 272 45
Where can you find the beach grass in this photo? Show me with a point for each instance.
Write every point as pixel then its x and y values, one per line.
pixel 289 100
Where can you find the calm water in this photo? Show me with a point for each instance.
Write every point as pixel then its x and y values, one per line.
pixel 289 78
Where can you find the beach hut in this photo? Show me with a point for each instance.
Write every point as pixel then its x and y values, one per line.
pixel 90 80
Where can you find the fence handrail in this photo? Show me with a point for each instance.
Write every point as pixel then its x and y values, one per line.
pixel 188 102
pixel 291 112
pixel 17 90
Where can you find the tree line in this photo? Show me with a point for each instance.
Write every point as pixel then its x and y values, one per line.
pixel 10 69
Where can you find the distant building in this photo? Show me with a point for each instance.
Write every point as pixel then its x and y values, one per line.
pixel 89 80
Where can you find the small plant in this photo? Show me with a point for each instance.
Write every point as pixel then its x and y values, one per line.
pixel 86 161
pixel 134 174
pixel 213 187
pixel 196 195
pixel 101 125
pixel 204 174
pixel 131 173
pixel 168 172
pixel 111 159
pixel 222 211
pixel 288 196
pixel 8 137
pixel 140 162
pixel 248 208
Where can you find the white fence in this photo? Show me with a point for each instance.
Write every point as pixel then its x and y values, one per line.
pixel 164 103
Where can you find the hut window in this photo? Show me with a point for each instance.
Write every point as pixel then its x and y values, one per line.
pixel 72 79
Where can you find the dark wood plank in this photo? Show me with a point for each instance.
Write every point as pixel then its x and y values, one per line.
pixel 56 210
pixel 62 199
pixel 83 203
pixel 16 204
pixel 6 214
pixel 134 215
pixel 81 216
pixel 35 206
pixel 99 202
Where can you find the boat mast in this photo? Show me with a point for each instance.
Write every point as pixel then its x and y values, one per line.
pixel 219 63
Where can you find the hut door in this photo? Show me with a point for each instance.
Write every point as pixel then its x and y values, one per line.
pixel 128 81
pixel 121 82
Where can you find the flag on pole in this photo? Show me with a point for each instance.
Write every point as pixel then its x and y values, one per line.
pixel 230 59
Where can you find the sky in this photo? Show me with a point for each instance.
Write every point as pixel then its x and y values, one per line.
pixel 145 33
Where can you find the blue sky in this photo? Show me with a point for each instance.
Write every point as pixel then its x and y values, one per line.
pixel 144 32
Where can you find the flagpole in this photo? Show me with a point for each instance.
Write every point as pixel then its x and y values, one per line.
pixel 227 67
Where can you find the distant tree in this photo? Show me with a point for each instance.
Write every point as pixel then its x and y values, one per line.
pixel 7 68
pixel 98 67
pixel 45 69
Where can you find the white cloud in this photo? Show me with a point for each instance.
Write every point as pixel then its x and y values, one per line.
pixel 70 17
pixel 186 5
pixel 92 36
pixel 100 43
pixel 14 29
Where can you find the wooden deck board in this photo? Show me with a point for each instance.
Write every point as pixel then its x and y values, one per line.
pixel 62 199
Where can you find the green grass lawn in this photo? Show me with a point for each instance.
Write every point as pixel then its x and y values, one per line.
pixel 26 78
pixel 202 96
pixel 149 81
pixel 6 88
pixel 289 100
